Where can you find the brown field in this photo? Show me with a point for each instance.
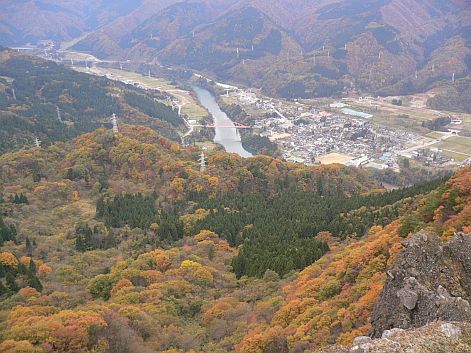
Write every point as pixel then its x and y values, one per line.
pixel 334 157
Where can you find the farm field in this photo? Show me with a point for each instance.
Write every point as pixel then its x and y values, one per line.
pixel 408 117
pixel 435 135
pixel 458 146
pixel 457 157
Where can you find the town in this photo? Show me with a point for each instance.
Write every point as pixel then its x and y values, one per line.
pixel 311 135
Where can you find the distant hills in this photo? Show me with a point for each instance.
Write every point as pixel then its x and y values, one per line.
pixel 28 21
pixel 297 48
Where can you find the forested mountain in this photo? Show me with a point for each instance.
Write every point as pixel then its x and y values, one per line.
pixel 319 47
pixel 121 244
pixel 28 21
pixel 40 99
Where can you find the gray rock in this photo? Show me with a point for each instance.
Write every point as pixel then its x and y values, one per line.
pixel 363 349
pixel 451 331
pixel 361 344
pixel 408 298
pixel 443 293
pixel 430 281
pixel 389 333
pixel 361 340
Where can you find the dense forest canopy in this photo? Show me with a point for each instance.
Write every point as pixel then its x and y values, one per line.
pixel 41 99
pixel 278 233
pixel 121 244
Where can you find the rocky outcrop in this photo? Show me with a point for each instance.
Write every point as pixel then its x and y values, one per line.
pixel 429 281
pixel 437 337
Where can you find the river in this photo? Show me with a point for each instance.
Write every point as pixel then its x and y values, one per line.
pixel 229 138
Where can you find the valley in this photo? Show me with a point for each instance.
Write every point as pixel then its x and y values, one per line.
pixel 235 176
pixel 312 130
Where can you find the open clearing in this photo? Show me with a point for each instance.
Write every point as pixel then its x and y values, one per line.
pixel 334 157
pixel 456 145
pixel 457 157
pixel 435 135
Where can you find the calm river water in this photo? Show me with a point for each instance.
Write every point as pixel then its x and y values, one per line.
pixel 229 138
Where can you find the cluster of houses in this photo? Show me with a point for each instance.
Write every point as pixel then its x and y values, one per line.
pixel 431 157
pixel 306 134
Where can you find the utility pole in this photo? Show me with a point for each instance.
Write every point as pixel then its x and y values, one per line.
pixel 114 121
pixel 58 114
pixel 37 142
pixel 202 161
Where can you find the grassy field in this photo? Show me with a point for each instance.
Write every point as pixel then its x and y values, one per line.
pixel 457 145
pixel 456 156
pixel 435 135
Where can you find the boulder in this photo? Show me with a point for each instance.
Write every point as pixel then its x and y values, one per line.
pixel 451 331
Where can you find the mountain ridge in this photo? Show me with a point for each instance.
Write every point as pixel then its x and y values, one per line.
pixel 379 37
pixel 330 47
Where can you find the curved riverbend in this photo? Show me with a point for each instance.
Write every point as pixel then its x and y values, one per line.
pixel 229 138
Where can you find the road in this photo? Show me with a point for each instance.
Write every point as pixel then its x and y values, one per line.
pixel 408 152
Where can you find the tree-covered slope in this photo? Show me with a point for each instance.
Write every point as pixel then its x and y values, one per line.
pixel 332 301
pixel 40 99
pixel 121 244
